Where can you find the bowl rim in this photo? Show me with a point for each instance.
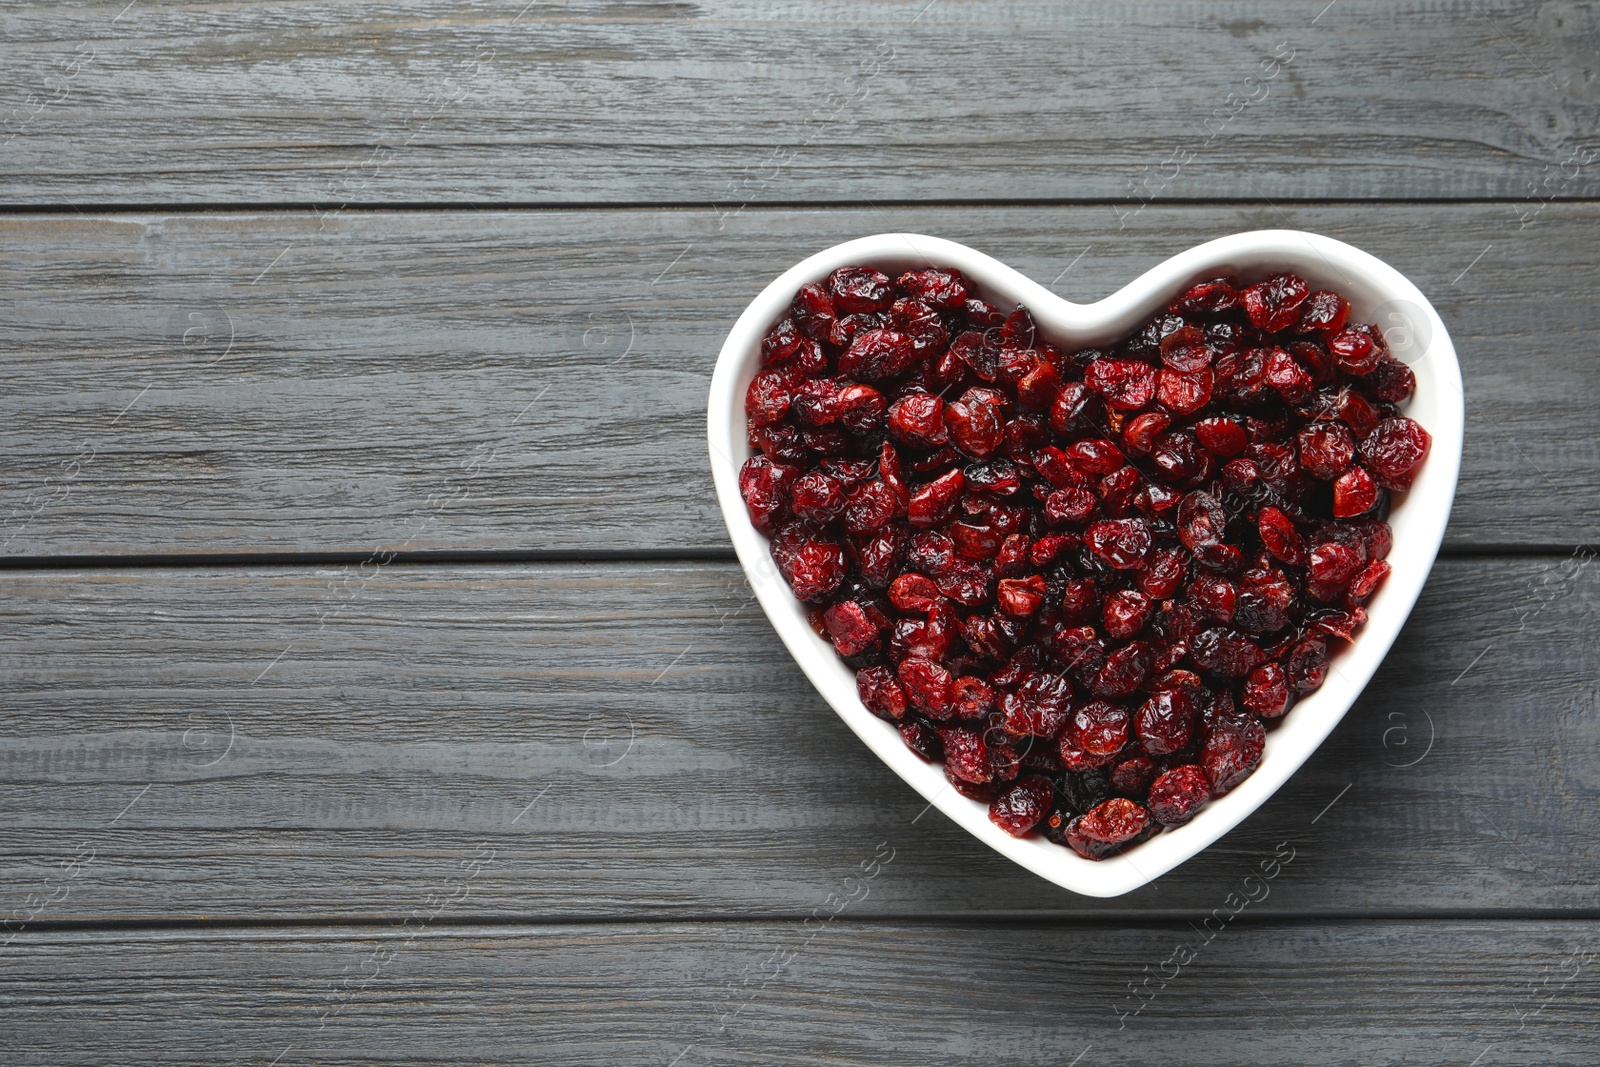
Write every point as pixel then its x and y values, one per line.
pixel 1419 516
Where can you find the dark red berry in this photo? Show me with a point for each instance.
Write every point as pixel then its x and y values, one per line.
pixel 1023 805
pixel 1108 826
pixel 1394 451
pixel 1274 304
pixel 1177 795
pixel 1232 750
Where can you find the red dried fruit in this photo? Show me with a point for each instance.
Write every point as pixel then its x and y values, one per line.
pixel 849 627
pixel 1186 351
pixel 1124 384
pixel 1326 449
pixel 1266 691
pixel 1184 394
pixel 966 756
pixel 1132 777
pixel 1119 543
pixel 1023 805
pixel 881 693
pixel 1274 304
pixel 860 289
pixel 764 486
pixel 1099 728
pixel 1179 794
pixel 1394 451
pixel 1232 750
pixel 816 497
pixel 1165 722
pixel 1225 652
pixel 1323 312
pixel 1021 597
pixel 913 593
pixel 1292 381
pixel 1392 380
pixel 814 312
pixel 1354 493
pixel 1213 296
pixel 927 686
pixel 937 501
pixel 1108 826
pixel 1039 707
pixel 939 287
pixel 1355 350
pixel 1221 436
pixel 921 739
pixel 975 423
pixel 971 698
pixel 1125 612
pixel 917 419
pixel 1279 537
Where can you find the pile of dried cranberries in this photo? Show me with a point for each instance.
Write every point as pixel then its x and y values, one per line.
pixel 1087 582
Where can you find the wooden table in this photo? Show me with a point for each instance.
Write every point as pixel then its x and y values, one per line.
pixel 379 685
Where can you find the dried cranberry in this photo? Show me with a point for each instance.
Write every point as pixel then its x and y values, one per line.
pixel 1232 750
pixel 764 486
pixel 882 693
pixel 1108 826
pixel 1119 543
pixel 937 287
pixel 1326 449
pixel 1124 384
pixel 1023 805
pixel 860 289
pixel 921 739
pixel 1165 722
pixel 1274 304
pixel 1394 451
pixel 1177 795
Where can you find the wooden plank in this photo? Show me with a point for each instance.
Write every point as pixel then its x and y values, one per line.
pixel 535 382
pixel 629 740
pixel 841 992
pixel 760 101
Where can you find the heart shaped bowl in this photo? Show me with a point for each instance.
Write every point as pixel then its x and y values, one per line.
pixel 1377 293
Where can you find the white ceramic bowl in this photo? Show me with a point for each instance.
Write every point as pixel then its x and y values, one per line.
pixel 1377 292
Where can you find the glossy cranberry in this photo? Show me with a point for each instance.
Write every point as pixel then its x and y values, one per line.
pixel 881 693
pixel 1124 384
pixel 1022 806
pixel 921 739
pixel 1179 794
pixel 860 289
pixel 1119 543
pixel 1274 304
pixel 1355 350
pixel 1323 312
pixel 927 686
pixel 1221 436
pixel 1266 691
pixel 966 756
pixel 1394 451
pixel 1326 449
pixel 1132 777
pixel 1110 825
pixel 764 486
pixel 1354 493
pixel 1165 722
pixel 1185 350
pixel 1232 750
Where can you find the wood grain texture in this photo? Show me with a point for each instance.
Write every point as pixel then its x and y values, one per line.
pixel 762 101
pixel 535 382
pixel 838 993
pixel 633 740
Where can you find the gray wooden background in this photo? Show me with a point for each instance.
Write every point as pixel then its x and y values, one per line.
pixel 376 681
